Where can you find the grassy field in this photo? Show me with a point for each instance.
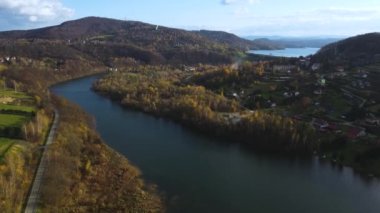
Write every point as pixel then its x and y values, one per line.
pixel 6 107
pixel 13 94
pixel 16 108
pixel 5 144
pixel 8 120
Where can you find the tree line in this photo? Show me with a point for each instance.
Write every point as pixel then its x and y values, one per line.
pixel 196 106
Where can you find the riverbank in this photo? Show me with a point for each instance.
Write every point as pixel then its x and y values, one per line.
pixel 198 173
pixel 74 180
pixel 195 106
pixel 85 175
pixel 210 113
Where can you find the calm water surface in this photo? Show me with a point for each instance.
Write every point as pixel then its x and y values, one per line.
pixel 199 174
pixel 288 52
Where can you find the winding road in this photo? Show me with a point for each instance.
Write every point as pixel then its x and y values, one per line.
pixel 32 200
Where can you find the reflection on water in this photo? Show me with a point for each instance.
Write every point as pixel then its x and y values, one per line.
pixel 199 174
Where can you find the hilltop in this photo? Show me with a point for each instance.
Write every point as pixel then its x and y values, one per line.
pixel 105 39
pixel 237 42
pixel 356 51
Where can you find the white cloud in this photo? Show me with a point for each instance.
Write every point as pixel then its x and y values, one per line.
pixel 34 10
pixel 241 7
pixel 330 21
pixel 241 11
pixel 230 2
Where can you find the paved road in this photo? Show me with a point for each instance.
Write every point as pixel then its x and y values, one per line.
pixel 32 202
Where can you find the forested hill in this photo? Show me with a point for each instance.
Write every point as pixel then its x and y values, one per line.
pixel 358 50
pixel 237 42
pixel 115 31
pixel 103 38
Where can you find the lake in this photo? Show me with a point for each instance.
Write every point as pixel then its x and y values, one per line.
pixel 288 52
pixel 199 174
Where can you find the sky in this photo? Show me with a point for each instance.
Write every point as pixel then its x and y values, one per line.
pixel 242 17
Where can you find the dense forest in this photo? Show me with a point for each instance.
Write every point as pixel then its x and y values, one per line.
pixel 164 92
pixel 355 51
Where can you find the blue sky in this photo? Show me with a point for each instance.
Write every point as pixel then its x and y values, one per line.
pixel 242 17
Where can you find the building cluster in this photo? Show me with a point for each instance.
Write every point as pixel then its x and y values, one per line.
pixel 8 59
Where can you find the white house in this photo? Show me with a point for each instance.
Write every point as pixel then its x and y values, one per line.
pixel 284 68
pixel 315 66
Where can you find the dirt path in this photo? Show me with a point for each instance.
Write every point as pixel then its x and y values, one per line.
pixel 32 200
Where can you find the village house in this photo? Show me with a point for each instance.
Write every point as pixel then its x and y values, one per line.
pixel 322 82
pixel 291 94
pixel 320 124
pixel 356 132
pixel 287 94
pixel 316 66
pixel 361 75
pixel 318 92
pixel 233 118
pixel 189 69
pixel 336 74
pixel 284 68
pixel 373 121
pixel 304 62
pixel 112 69
pixel 333 128
pixel 339 68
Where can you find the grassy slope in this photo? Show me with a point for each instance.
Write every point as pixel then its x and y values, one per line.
pixel 7 120
pixel 7 107
pixel 5 144
pixel 14 94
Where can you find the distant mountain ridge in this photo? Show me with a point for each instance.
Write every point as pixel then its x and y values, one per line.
pixel 237 42
pixel 103 38
pixel 112 30
pixel 93 26
pixel 89 26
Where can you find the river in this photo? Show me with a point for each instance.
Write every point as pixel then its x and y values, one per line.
pixel 287 52
pixel 199 174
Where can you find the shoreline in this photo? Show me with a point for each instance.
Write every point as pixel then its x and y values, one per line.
pixel 227 138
